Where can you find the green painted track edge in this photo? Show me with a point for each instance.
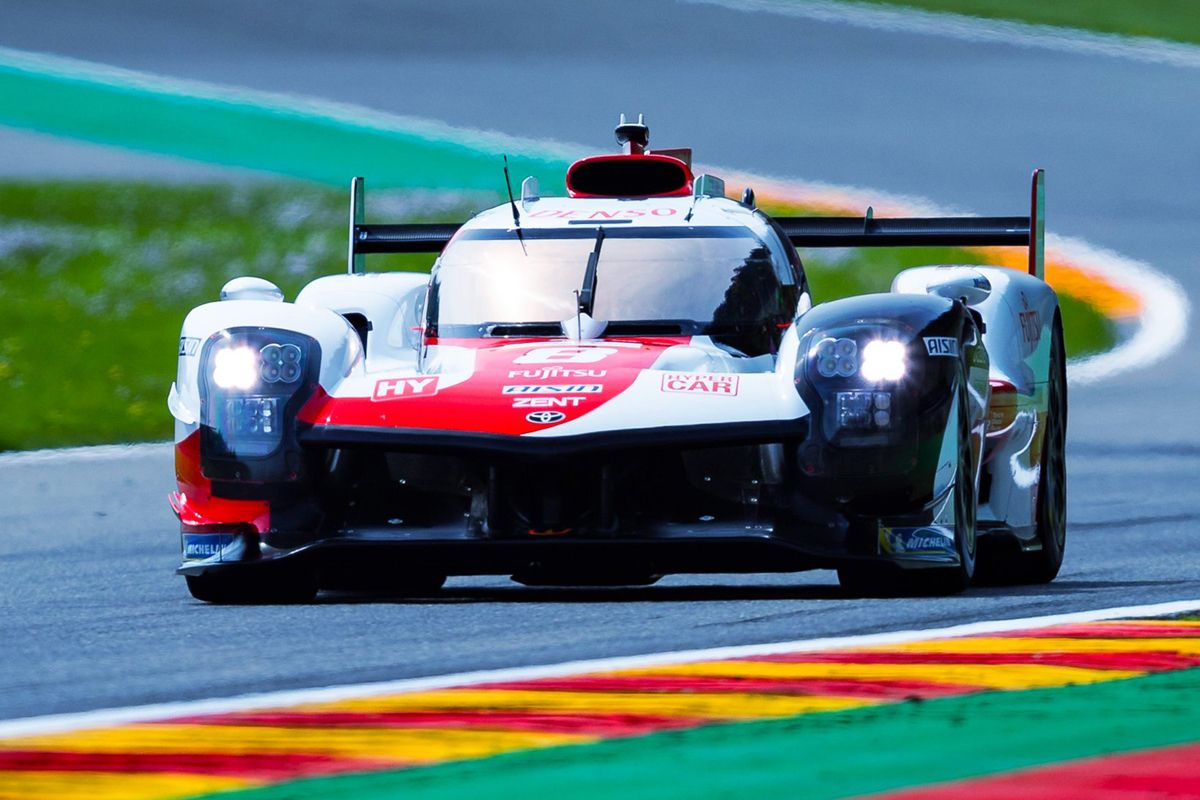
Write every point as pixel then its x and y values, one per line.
pixel 249 130
pixel 822 755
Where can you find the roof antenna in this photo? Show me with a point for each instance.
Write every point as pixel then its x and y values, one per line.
pixel 633 136
pixel 512 202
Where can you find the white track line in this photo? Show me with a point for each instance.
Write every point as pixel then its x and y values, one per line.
pixel 60 723
pixel 977 29
pixel 102 452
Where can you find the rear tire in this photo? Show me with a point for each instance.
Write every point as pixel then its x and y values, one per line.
pixel 253 589
pixel 1042 566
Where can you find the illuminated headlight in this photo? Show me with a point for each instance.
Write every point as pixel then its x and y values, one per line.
pixel 243 367
pixel 884 360
pixel 836 357
pixel 235 368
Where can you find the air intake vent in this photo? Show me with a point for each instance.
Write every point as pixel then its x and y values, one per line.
pixel 648 175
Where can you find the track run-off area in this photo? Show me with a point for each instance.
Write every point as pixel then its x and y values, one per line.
pixel 119 685
pixel 835 718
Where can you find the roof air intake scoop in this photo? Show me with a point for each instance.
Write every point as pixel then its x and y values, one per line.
pixel 634 173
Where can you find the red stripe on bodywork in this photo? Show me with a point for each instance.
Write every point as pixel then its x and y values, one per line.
pixel 596 724
pixel 1138 662
pixel 479 405
pixel 1170 772
pixel 194 503
pixel 242 765
pixel 872 689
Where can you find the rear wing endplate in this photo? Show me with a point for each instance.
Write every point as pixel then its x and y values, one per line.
pixel 866 231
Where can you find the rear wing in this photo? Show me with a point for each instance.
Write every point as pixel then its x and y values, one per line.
pixel 866 231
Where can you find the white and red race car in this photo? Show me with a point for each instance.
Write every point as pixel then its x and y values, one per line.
pixel 630 381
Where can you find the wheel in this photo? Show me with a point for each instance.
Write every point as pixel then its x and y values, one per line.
pixel 253 589
pixel 1042 566
pixel 881 579
pixel 952 580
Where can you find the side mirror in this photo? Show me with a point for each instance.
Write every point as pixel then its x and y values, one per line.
pixel 966 285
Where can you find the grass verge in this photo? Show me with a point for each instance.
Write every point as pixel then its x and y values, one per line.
pixel 1176 20
pixel 96 277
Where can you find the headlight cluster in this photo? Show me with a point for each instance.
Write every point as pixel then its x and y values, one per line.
pixel 241 367
pixel 255 380
pixel 855 376
pixel 877 360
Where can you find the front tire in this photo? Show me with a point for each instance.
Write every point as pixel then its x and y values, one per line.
pixel 881 579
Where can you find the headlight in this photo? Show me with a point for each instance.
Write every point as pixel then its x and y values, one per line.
pixel 884 360
pixel 235 368
pixel 242 367
pixel 836 357
pixel 254 381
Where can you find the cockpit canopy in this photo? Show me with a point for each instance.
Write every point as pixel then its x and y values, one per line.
pixel 723 281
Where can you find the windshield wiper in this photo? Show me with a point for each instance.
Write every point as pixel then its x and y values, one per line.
pixel 586 297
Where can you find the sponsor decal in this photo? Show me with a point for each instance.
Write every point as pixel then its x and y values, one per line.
pixel 1031 326
pixel 545 417
pixel 546 373
pixel 701 383
pixel 553 388
pixel 197 546
pixel 946 346
pixel 627 213
pixel 1031 322
pixel 570 354
pixel 547 402
pixel 188 345
pixel 399 388
pixel 930 543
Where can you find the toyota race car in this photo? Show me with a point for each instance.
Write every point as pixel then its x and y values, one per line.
pixel 630 381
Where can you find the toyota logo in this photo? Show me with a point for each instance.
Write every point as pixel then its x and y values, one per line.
pixel 545 417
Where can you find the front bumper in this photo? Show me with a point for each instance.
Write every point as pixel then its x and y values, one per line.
pixel 669 549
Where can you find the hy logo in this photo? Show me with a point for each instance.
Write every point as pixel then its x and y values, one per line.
pixel 396 388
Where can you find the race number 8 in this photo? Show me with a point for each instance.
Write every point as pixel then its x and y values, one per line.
pixel 565 355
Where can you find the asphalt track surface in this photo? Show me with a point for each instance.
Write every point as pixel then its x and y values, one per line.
pixel 90 613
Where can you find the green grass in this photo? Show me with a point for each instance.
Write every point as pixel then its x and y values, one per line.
pixel 95 279
pixel 1178 20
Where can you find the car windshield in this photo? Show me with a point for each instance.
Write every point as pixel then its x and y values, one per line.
pixel 669 279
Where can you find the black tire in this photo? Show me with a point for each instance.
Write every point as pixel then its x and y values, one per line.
pixel 885 580
pixel 294 587
pixel 1042 566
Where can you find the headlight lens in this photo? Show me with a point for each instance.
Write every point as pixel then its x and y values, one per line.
pixel 242 367
pixel 254 381
pixel 235 368
pixel 884 360
pixel 836 357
